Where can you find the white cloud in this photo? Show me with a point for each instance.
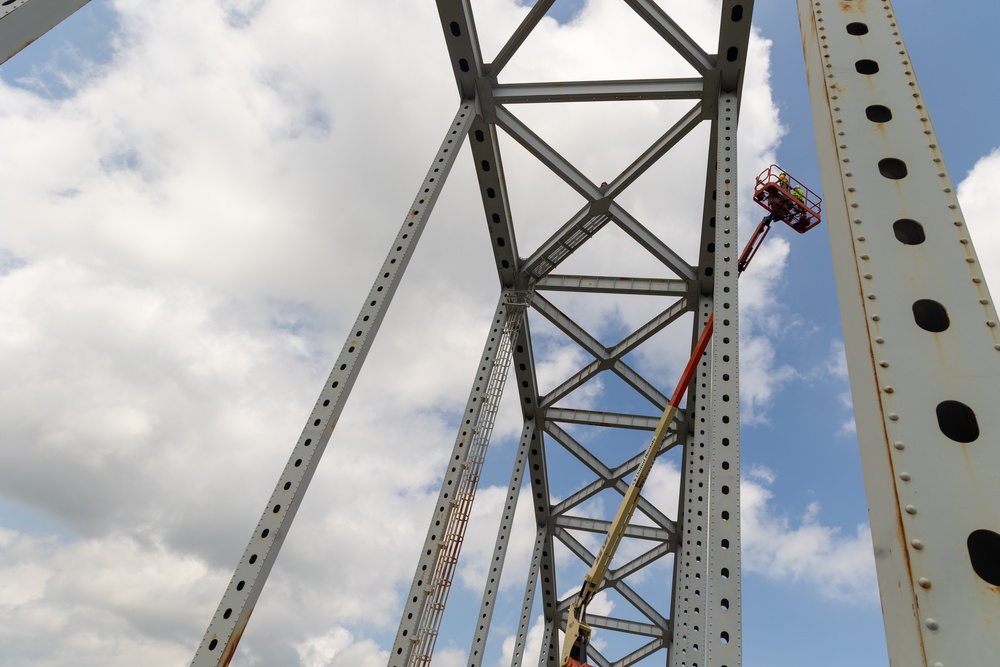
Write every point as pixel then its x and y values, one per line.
pixel 187 239
pixel 977 193
pixel 835 565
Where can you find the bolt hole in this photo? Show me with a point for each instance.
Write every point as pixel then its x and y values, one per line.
pixel 866 67
pixel 957 421
pixel 930 315
pixel 893 168
pixel 984 552
pixel 908 231
pixel 855 28
pixel 877 113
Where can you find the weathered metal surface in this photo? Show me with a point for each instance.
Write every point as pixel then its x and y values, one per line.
pixel 920 331
pixel 24 21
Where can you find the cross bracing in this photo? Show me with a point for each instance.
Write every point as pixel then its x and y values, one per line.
pixel 685 288
pixel 928 592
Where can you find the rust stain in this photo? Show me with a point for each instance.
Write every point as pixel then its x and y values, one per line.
pixel 886 440
pixel 234 641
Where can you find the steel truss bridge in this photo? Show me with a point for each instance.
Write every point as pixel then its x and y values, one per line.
pixel 920 332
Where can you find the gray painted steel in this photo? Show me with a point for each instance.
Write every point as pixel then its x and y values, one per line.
pixel 723 593
pixel 714 94
pixel 230 619
pixel 707 427
pixel 24 21
pixel 417 633
pixel 920 330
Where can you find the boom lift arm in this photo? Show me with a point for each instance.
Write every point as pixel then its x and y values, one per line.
pixel 787 201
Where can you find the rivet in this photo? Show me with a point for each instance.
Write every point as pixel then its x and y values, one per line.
pixel 977 280
pixel 984 301
pixel 848 189
pixel 931 624
pixel 899 445
pixel 957 223
pixel 884 364
pixel 868 276
pixel 854 205
pixel 925 583
pixel 880 340
pixel 917 544
pixel 848 174
pixel 856 221
pixel 970 260
pixel 871 297
pixel 963 241
pixel 991 323
pixel 887 389
pixel 947 189
pixel 875 318
pixel 893 417
pixel 905 476
pixel 861 238
pixel 996 347
pixel 864 256
pixel 910 509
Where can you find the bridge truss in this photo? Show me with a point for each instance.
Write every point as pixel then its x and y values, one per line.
pixel 920 330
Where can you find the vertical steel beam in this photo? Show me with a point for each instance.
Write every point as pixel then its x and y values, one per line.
pixel 500 549
pixel 920 331
pixel 412 644
pixel 723 598
pixel 230 619
pixel 24 21
pixel 528 602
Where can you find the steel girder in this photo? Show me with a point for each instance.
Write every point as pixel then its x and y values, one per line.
pixel 714 94
pixel 24 21
pixel 706 430
pixel 920 332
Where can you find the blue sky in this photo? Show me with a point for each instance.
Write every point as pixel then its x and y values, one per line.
pixel 196 202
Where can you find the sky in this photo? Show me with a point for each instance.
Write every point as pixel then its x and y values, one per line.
pixel 195 203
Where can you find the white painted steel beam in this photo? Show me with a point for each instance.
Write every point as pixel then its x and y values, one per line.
pixel 921 335
pixel 24 21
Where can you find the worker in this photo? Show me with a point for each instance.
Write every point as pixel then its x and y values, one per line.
pixel 783 181
pixel 798 194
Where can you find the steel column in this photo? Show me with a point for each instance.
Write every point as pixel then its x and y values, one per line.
pixel 722 600
pixel 920 331
pixel 500 548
